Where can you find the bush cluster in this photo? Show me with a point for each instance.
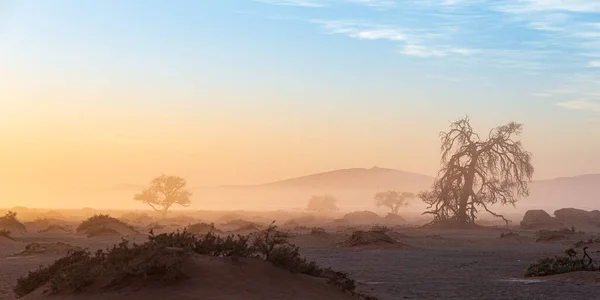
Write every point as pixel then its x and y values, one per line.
pixel 162 256
pixel 6 233
pixel 559 265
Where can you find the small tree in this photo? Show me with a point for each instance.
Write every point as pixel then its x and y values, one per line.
pixel 324 203
pixel 477 173
pixel 164 191
pixel 393 200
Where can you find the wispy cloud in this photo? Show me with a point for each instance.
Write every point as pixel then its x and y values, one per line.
pixel 423 51
pixel 583 104
pixel 412 41
pixel 594 64
pixel 302 3
pixel 529 6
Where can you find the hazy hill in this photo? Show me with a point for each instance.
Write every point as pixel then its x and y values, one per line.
pixel 356 178
pixel 355 188
pixel 578 191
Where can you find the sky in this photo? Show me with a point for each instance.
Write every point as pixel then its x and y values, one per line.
pixel 100 93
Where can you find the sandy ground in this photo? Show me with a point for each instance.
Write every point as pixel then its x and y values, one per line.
pixel 471 264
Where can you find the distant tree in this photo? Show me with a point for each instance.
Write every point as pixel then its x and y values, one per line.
pixel 323 203
pixel 163 192
pixel 393 200
pixel 477 173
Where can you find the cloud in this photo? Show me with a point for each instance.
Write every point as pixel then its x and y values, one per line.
pixel 301 3
pixel 594 64
pixel 374 3
pixel 412 41
pixel 582 104
pixel 422 51
pixel 363 31
pixel 531 6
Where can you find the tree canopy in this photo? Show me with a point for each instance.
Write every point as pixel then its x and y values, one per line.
pixel 322 203
pixel 393 200
pixel 477 173
pixel 165 191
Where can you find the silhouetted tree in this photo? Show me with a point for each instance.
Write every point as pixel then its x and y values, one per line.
pixel 477 173
pixel 324 203
pixel 393 199
pixel 163 192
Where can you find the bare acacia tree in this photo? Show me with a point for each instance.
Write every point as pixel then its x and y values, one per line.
pixel 163 192
pixel 393 199
pixel 477 173
pixel 323 203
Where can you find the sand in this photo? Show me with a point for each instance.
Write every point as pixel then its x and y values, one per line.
pixel 440 264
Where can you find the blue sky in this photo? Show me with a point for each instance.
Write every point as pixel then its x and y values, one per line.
pixel 305 79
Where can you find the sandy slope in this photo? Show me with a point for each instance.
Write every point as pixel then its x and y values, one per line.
pixel 219 278
pixel 472 264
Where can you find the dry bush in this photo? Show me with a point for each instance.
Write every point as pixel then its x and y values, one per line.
pixel 53 227
pixel 202 228
pixel 101 225
pixel 48 248
pixel 318 231
pixel 581 243
pixel 505 235
pixel 161 259
pixel 561 264
pixel 555 235
pixel 365 238
pixel 380 228
pixel 11 223
pixel 6 233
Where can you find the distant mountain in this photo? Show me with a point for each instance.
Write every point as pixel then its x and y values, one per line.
pixel 578 191
pixel 355 189
pixel 357 178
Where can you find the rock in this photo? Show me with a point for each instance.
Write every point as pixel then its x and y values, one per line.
pixel 571 216
pixel 538 219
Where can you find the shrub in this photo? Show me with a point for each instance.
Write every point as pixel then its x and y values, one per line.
pixel 553 235
pixel 52 227
pixel 6 233
pixel 101 231
pixel 162 256
pixel 379 228
pixel 10 222
pixel 580 243
pixel 559 265
pixel 504 235
pixel 202 228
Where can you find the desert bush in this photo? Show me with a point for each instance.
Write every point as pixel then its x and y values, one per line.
pixel 101 225
pixel 52 227
pixel 6 233
pixel 504 235
pixel 380 228
pixel 581 243
pixel 560 264
pixel 101 231
pixel 202 228
pixel 162 256
pixel 10 222
pixel 318 231
pixel 553 235
pixel 60 274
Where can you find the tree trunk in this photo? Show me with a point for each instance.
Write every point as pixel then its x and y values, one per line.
pixel 463 217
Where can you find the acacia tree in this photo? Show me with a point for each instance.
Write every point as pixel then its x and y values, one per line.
pixel 323 203
pixel 393 199
pixel 477 173
pixel 163 192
